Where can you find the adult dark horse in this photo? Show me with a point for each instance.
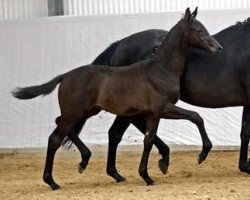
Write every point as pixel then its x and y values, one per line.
pixel 148 89
pixel 211 81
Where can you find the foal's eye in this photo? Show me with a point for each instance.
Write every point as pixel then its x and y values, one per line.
pixel 199 30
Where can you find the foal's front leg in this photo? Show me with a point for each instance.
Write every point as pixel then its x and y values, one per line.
pixel 152 124
pixel 163 163
pixel 173 112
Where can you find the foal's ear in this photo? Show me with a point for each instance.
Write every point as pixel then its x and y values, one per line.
pixel 187 15
pixel 195 12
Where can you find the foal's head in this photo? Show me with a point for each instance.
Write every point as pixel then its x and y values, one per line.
pixel 198 35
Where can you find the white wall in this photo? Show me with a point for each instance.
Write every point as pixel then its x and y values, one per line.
pixel 35 50
pixel 12 9
pixel 103 7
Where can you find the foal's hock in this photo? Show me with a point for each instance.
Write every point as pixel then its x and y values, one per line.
pixel 148 89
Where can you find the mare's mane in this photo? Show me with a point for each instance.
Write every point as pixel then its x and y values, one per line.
pixel 245 22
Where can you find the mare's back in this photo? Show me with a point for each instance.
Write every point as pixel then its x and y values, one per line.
pixel 137 47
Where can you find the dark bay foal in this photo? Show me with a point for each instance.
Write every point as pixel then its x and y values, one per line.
pixel 148 89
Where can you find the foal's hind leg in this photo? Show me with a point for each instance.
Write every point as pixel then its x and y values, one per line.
pixel 54 143
pixel 55 140
pixel 84 150
pixel 173 112
pixel 149 139
pixel 244 163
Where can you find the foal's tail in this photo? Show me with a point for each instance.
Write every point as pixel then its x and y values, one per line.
pixel 37 90
pixel 105 57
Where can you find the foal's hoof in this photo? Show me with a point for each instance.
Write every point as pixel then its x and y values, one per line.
pixel 200 160
pixel 163 166
pixel 81 168
pixel 245 168
pixel 202 157
pixel 120 179
pixel 54 186
pixel 150 182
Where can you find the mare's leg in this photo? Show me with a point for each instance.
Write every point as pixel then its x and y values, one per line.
pixel 164 150
pixel 149 139
pixel 173 112
pixel 244 164
pixel 115 135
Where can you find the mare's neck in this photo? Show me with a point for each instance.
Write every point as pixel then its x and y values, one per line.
pixel 173 50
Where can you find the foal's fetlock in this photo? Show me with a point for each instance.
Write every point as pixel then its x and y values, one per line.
pixel 149 181
pixel 114 174
pixel 85 160
pixel 163 165
pixel 146 178
pixel 49 180
pixel 203 155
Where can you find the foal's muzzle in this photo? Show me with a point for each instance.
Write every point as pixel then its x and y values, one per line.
pixel 215 46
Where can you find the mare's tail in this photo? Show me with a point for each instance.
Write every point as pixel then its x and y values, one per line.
pixel 34 91
pixel 105 57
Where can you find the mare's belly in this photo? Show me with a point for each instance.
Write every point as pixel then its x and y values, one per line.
pixel 213 93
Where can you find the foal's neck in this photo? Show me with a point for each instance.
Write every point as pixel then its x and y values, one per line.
pixel 173 50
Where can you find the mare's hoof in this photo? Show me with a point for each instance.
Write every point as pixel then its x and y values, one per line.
pixel 81 168
pixel 54 186
pixel 163 166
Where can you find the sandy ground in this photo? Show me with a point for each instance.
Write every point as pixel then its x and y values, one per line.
pixel 216 178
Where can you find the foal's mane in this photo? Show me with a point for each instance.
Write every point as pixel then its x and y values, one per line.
pixel 165 38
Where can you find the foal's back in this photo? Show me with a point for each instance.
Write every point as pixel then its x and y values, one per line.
pixel 126 90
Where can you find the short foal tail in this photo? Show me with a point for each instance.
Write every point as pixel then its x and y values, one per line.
pixel 105 57
pixel 34 91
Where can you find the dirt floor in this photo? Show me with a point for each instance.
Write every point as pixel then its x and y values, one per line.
pixel 216 178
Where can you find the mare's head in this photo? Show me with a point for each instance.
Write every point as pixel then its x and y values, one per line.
pixel 198 36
